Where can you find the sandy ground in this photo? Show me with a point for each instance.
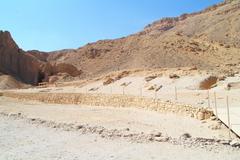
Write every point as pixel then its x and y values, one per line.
pixel 20 140
pixel 137 120
pixel 186 89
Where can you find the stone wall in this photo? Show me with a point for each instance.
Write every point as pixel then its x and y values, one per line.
pixel 114 101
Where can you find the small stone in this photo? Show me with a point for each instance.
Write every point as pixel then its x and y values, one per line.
pixel 185 136
pixel 33 119
pixel 79 126
pixel 174 76
pixel 150 138
pixel 213 118
pixel 161 139
pixel 225 142
pixel 203 121
pixel 156 134
pixel 127 129
pixel 215 126
pixel 200 116
pixel 235 143
pixel 12 115
pixel 201 102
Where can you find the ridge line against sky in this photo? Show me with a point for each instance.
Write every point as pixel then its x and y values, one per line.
pixel 49 25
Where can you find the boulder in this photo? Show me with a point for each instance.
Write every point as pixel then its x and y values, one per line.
pixel 174 76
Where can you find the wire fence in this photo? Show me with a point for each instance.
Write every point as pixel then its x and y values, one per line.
pixel 218 103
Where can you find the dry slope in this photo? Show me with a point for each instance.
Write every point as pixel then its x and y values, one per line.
pixel 207 39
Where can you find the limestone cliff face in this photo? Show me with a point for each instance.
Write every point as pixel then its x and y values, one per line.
pixel 16 62
pixel 30 67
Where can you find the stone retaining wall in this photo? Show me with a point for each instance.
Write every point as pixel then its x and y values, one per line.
pixel 113 101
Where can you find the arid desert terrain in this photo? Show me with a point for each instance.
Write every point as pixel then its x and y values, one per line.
pixel 170 91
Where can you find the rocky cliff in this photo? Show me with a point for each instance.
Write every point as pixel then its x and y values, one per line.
pixel 16 62
pixel 29 67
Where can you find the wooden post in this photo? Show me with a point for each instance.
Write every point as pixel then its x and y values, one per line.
pixel 215 105
pixel 229 124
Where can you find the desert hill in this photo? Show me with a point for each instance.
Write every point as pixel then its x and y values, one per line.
pixel 205 40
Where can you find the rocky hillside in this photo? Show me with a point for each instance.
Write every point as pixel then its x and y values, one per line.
pixel 207 39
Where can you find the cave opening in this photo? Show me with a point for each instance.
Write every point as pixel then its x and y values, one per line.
pixel 41 77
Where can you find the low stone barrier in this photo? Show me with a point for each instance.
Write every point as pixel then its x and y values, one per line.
pixel 113 101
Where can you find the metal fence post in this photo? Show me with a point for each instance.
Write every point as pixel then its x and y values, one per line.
pixel 215 104
pixel 229 124
pixel 176 96
pixel 140 91
pixel 208 97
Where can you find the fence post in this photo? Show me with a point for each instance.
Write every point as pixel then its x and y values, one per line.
pixel 123 90
pixel 110 89
pixel 98 90
pixel 229 125
pixel 140 91
pixel 208 97
pixel 155 95
pixel 176 96
pixel 215 105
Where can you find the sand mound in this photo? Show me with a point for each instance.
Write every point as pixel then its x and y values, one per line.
pixel 8 82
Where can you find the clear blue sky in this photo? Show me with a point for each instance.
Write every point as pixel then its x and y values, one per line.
pixel 58 24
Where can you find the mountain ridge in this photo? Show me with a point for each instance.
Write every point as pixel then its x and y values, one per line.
pixel 206 40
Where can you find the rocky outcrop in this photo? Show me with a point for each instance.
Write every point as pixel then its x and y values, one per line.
pixel 16 62
pixel 49 70
pixel 29 67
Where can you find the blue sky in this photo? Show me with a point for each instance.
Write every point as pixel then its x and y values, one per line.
pixel 58 24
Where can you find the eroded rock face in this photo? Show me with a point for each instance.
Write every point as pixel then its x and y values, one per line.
pixel 16 62
pixel 31 67
pixel 48 70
